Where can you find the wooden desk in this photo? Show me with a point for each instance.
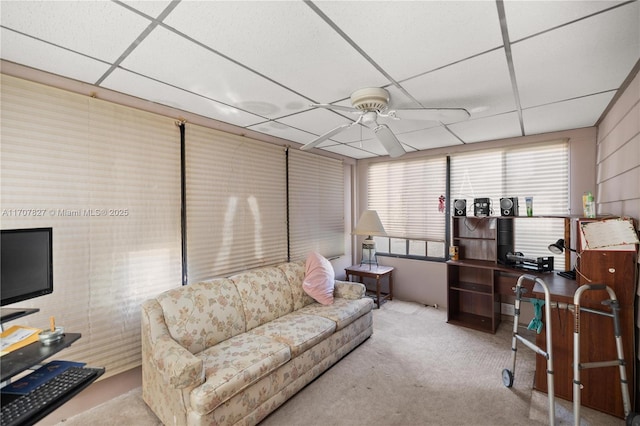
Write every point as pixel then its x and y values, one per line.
pixel 601 386
pixel 376 272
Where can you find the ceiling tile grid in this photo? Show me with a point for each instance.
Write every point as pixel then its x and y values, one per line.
pixel 517 67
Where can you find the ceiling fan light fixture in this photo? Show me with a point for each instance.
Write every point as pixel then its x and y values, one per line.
pixel 371 103
pixel 370 99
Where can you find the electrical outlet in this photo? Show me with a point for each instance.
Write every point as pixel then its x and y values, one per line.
pixel 507 309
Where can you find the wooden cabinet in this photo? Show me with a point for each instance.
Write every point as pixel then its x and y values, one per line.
pixel 601 386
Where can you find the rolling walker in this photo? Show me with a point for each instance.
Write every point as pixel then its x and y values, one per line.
pixel 508 375
pixel 612 302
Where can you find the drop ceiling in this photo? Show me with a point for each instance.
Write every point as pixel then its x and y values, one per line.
pixel 518 67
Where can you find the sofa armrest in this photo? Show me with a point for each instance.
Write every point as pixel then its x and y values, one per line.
pixel 349 290
pixel 179 367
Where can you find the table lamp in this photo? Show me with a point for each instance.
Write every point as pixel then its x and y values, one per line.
pixel 369 224
pixel 557 248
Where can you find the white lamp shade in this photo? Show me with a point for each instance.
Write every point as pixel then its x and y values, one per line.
pixel 369 224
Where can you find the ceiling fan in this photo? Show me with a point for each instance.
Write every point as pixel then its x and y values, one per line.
pixel 372 103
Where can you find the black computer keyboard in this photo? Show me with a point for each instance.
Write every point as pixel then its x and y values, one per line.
pixel 26 408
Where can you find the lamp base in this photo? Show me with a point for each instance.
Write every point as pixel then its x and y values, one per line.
pixel 369 252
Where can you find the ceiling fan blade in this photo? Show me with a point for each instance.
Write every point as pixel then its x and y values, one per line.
pixel 443 115
pixel 389 141
pixel 326 136
pixel 336 107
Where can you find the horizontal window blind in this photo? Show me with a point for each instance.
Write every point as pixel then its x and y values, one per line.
pixel 236 203
pixel 107 178
pixel 316 205
pixel 539 171
pixel 406 196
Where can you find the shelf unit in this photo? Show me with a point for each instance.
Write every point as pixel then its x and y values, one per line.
pixel 472 299
pixel 29 357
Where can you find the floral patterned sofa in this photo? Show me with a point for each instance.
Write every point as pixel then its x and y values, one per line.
pixel 232 350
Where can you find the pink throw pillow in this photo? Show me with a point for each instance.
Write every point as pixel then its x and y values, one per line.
pixel 319 278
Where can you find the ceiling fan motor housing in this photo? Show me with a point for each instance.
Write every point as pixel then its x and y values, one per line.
pixel 370 99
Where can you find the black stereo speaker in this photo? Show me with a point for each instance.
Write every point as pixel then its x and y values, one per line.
pixel 481 207
pixel 509 206
pixel 460 207
pixel 505 240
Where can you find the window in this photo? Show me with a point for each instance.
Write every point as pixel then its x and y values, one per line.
pixel 539 171
pixel 316 205
pixel 406 195
pixel 236 203
pixel 106 178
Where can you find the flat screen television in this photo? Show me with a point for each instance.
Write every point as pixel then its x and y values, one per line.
pixel 26 264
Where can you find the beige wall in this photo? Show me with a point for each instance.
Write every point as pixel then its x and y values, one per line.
pixel 618 155
pixel 425 282
pixel 618 164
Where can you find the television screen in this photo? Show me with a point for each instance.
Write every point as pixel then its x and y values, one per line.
pixel 26 264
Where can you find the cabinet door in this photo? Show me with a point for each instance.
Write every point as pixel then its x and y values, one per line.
pixel 601 386
pixel 614 268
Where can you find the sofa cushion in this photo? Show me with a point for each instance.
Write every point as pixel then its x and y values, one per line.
pixel 200 315
pixel 319 278
pixel 298 331
pixel 349 290
pixel 265 294
pixel 343 311
pixel 294 271
pixel 234 364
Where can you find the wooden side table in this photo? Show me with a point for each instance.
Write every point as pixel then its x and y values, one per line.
pixel 376 272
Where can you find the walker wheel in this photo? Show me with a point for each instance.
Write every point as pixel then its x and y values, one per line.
pixel 507 378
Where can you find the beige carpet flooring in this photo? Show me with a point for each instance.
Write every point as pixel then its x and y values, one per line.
pixel 415 370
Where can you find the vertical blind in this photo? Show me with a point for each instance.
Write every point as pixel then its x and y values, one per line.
pixel 406 196
pixel 236 203
pixel 538 171
pixel 316 205
pixel 107 178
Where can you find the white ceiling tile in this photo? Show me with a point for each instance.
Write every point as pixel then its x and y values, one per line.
pixel 525 18
pixel 283 131
pixel 590 56
pixel 488 128
pixel 572 114
pixel 285 41
pixel 370 146
pixel 135 85
pixel 430 138
pixel 259 64
pixel 400 127
pixel 409 38
pixel 151 8
pixel 168 57
pixel 353 152
pixel 319 121
pixel 481 85
pixel 399 99
pixel 27 51
pixel 373 145
pixel 99 29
